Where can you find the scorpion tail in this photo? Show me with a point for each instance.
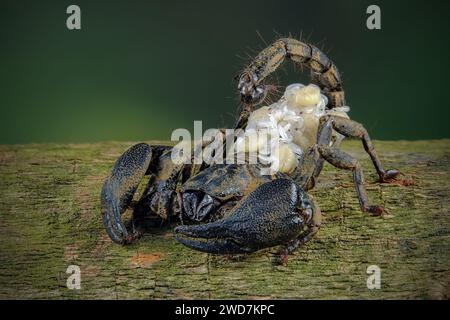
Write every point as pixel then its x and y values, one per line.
pixel 324 72
pixel 119 188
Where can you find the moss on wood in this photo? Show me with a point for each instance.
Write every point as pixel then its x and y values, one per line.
pixel 49 209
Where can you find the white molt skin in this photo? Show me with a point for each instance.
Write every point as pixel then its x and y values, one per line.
pixel 292 121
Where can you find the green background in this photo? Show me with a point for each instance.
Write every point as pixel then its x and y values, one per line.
pixel 139 69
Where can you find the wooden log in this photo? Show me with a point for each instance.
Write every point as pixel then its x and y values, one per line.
pixel 50 219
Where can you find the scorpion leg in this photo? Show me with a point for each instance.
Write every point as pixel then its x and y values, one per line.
pixel 342 160
pixel 273 214
pixel 312 227
pixel 353 129
pixel 119 188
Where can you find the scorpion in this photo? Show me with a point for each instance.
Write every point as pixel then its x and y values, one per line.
pixel 232 208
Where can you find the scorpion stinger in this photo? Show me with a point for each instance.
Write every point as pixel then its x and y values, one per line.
pixel 324 73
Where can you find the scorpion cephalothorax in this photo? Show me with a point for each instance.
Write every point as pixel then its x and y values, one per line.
pixel 230 208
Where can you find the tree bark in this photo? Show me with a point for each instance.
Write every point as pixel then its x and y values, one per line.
pixel 50 219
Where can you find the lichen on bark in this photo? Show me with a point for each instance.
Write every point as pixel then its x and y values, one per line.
pixel 50 219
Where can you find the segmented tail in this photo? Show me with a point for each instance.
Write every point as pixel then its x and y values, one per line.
pixel 324 72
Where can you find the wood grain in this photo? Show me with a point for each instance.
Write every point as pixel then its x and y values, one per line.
pixel 49 219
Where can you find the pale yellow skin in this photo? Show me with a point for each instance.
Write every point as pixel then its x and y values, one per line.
pixel 303 101
pixel 288 159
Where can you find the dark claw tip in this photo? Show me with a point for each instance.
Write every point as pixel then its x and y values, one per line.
pixel 389 175
pixel 282 258
pixel 180 229
pixel 376 210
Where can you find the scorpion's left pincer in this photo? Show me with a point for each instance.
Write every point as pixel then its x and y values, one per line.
pixel 273 214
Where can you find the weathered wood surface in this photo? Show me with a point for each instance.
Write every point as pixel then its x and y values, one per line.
pixel 49 209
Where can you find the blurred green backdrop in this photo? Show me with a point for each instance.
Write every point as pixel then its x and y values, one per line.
pixel 139 69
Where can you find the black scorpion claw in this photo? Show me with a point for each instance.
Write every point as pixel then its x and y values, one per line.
pixel 119 188
pixel 267 217
pixel 111 217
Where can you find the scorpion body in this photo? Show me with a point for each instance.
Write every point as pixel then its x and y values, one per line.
pixel 232 208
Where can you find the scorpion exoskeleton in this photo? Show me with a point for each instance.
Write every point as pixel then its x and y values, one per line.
pixel 232 208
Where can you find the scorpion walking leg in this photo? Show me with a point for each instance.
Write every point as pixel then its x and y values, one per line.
pixel 342 160
pixel 119 188
pixel 312 227
pixel 350 128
